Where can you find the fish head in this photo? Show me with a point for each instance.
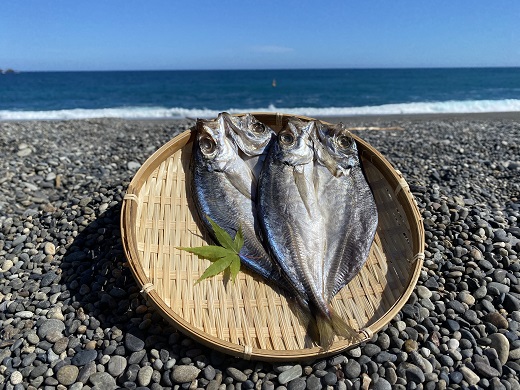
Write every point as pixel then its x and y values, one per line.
pixel 335 148
pixel 214 147
pixel 250 135
pixel 294 143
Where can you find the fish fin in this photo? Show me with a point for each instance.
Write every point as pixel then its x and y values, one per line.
pixel 328 328
pixel 341 328
pixel 325 331
pixel 303 189
pixel 248 189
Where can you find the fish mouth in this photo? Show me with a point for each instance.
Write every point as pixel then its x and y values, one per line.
pixel 225 120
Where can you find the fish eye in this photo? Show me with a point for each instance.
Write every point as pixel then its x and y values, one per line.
pixel 258 127
pixel 207 145
pixel 286 138
pixel 344 142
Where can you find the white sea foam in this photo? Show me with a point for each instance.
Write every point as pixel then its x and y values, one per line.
pixel 469 106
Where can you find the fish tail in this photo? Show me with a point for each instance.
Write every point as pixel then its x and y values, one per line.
pixel 302 311
pixel 329 327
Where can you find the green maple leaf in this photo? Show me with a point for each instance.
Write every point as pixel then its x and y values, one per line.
pixel 224 256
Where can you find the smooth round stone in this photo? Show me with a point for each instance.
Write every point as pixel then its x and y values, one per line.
pixel 453 344
pixel 136 357
pixel 19 240
pixel 209 372
pixel 497 320
pixel 411 372
pixel 480 292
pixel 116 365
pixel 25 314
pixel 67 375
pixel 133 343
pixel 133 165
pixel 49 249
pixel 456 377
pixel 371 350
pixel 236 374
pixel 7 265
pixel 469 375
pixel 24 152
pixel 50 325
pixel 499 287
pixel 501 344
pixel 382 384
pixel 330 379
pixel 457 306
pixel 184 374
pixel 338 359
pixel 103 380
pixel 383 341
pixel 410 345
pixel 352 369
pixel 486 370
pixel 385 356
pixel 84 357
pixel 144 376
pixel 297 384
pixel 424 292
pixel 496 384
pixel 268 385
pixel 466 297
pixel 514 354
pixel 16 378
pixel 61 345
pixel 290 374
pixel 313 383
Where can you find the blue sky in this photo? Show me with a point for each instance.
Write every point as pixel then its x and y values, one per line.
pixel 232 34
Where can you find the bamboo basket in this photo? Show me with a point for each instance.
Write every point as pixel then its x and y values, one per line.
pixel 248 318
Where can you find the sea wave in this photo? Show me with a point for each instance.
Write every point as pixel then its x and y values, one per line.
pixel 468 106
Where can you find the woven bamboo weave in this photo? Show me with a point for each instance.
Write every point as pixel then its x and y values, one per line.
pixel 248 318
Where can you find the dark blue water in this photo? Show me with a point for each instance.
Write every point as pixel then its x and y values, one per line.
pixel 198 93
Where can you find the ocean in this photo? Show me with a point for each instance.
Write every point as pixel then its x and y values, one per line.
pixel 312 92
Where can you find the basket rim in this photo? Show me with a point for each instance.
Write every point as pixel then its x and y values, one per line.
pixel 129 241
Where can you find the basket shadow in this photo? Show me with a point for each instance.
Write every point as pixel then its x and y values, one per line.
pixel 95 272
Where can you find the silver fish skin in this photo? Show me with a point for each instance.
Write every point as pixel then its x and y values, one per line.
pixel 346 204
pixel 289 213
pixel 252 138
pixel 222 188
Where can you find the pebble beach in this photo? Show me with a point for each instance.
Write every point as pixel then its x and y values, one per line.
pixel 72 316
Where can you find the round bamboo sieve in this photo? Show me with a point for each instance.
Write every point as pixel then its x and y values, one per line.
pixel 248 318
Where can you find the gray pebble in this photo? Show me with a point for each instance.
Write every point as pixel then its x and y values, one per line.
pixel 486 370
pixel 67 375
pixel 50 325
pixel 184 374
pixel 133 343
pixel 209 372
pixel 116 365
pixel 144 376
pixel 290 374
pixel 352 369
pixel 84 357
pixel 297 384
pixel 103 381
pixel 382 384
pixel 313 383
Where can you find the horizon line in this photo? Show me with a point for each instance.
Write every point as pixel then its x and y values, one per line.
pixel 263 69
